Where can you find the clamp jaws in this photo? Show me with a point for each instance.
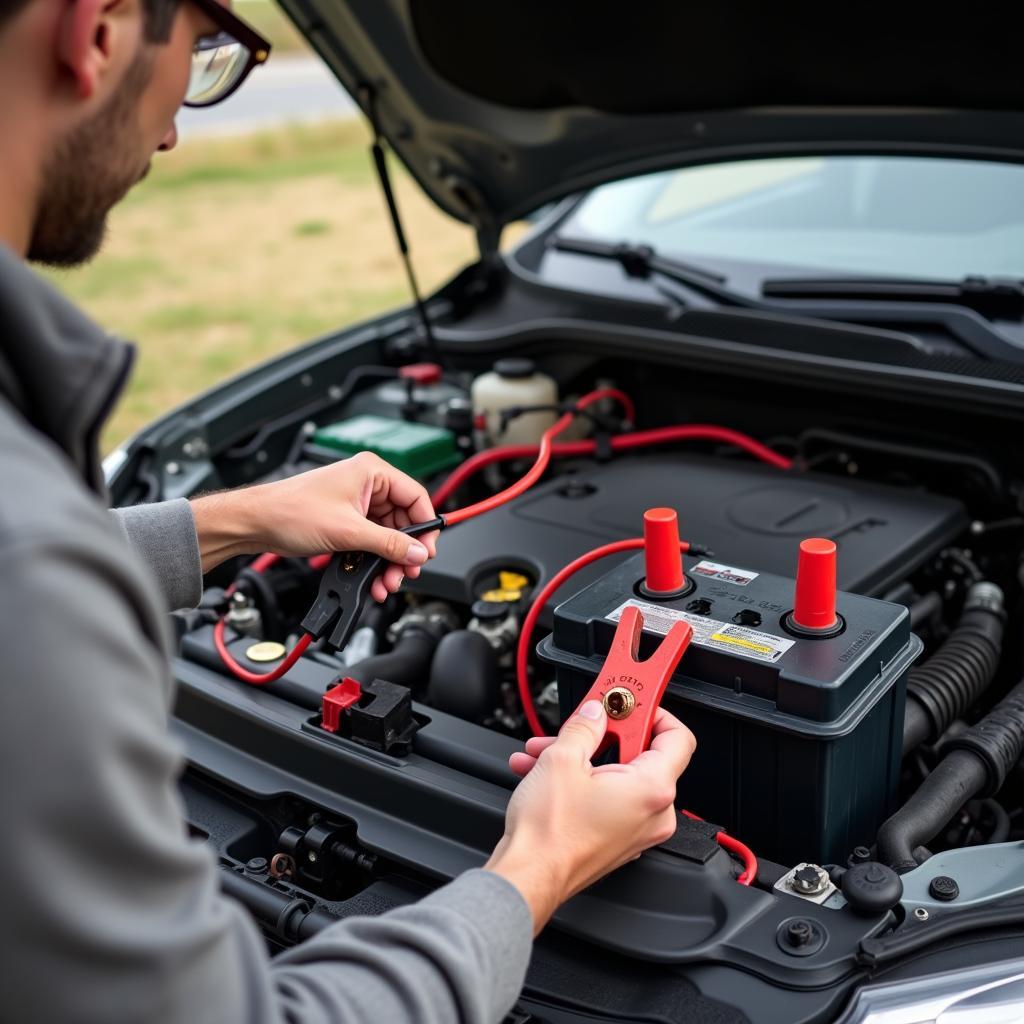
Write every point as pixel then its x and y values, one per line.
pixel 344 586
pixel 631 690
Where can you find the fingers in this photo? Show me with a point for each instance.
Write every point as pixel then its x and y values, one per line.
pixel 401 492
pixel 521 763
pixel 582 734
pixel 671 749
pixel 429 541
pixel 536 745
pixel 398 548
pixel 673 740
pixel 392 577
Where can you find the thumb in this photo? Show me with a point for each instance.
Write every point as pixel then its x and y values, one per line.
pixel 393 545
pixel 585 730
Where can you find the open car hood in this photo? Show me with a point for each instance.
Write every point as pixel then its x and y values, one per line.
pixel 497 108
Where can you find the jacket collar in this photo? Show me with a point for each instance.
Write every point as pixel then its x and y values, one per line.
pixel 57 368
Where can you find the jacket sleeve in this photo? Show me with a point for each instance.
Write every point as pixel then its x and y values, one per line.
pixel 115 913
pixel 164 535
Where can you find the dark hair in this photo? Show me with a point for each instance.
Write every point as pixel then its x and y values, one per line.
pixel 159 16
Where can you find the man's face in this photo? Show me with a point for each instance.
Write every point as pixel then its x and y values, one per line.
pixel 95 163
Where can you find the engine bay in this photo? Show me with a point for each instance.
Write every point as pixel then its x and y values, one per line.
pixel 375 769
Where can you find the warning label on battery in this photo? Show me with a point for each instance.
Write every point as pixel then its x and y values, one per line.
pixel 725 573
pixel 721 636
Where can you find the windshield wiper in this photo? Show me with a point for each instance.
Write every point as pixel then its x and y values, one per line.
pixel 834 299
pixel 995 298
pixel 643 261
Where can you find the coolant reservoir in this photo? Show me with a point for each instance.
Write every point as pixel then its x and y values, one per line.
pixel 514 382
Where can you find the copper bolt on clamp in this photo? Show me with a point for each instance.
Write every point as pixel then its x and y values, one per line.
pixel 619 702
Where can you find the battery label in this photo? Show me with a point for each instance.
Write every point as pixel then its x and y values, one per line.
pixel 720 636
pixel 725 573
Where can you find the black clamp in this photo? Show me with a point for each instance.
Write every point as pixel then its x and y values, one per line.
pixel 344 586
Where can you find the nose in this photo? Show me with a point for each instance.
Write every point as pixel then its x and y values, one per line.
pixel 170 140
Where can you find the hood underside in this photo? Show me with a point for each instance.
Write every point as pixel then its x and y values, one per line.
pixel 497 108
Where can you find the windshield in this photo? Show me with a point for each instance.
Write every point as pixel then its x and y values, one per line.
pixel 878 216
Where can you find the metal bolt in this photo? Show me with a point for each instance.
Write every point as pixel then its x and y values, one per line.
pixel 799 933
pixel 312 857
pixel 619 702
pixel 256 865
pixel 860 855
pixel 921 914
pixel 809 880
pixel 173 468
pixel 282 866
pixel 943 888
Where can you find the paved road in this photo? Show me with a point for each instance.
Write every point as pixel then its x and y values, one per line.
pixel 289 88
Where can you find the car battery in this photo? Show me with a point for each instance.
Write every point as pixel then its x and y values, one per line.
pixel 799 730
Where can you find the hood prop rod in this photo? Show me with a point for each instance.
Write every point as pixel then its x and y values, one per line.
pixel 377 151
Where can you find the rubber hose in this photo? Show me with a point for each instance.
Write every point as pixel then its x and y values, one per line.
pixel 924 609
pixel 1001 821
pixel 956 675
pixel 997 741
pixel 406 664
pixel 979 760
pixel 958 777
pixel 464 678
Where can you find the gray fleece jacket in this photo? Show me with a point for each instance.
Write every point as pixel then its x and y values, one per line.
pixel 112 913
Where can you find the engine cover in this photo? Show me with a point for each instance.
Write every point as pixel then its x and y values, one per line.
pixel 748 514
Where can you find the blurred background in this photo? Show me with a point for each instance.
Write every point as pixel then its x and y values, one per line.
pixel 264 228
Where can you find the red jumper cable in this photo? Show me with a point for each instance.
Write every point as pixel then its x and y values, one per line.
pixel 348 574
pixel 733 845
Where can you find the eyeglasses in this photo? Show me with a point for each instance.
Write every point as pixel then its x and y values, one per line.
pixel 222 61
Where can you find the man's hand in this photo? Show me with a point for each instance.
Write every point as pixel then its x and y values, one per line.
pixel 570 823
pixel 358 504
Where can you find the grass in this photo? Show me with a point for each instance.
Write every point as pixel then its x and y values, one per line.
pixel 236 249
pixel 271 22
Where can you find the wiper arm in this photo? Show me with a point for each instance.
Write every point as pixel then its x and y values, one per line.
pixel 833 299
pixel 999 298
pixel 642 261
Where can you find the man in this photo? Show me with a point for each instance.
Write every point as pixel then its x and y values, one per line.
pixel 111 913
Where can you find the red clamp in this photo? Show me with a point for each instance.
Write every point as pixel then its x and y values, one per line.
pixel 338 699
pixel 631 690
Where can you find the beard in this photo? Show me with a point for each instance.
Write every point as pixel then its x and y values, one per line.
pixel 90 169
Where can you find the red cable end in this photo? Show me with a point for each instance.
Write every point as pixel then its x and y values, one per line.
pixel 815 602
pixel 662 559
pixel 256 678
pixel 421 373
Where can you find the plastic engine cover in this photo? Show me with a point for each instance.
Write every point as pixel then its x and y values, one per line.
pixel 747 513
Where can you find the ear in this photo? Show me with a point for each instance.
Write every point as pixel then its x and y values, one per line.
pixel 87 34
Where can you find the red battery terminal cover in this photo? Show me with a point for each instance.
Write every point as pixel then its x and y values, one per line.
pixel 338 699
pixel 631 690
pixel 814 605
pixel 663 562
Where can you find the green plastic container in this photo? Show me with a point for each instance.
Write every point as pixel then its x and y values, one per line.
pixel 416 449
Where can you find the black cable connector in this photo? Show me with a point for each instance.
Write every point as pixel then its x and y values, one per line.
pixel 344 586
